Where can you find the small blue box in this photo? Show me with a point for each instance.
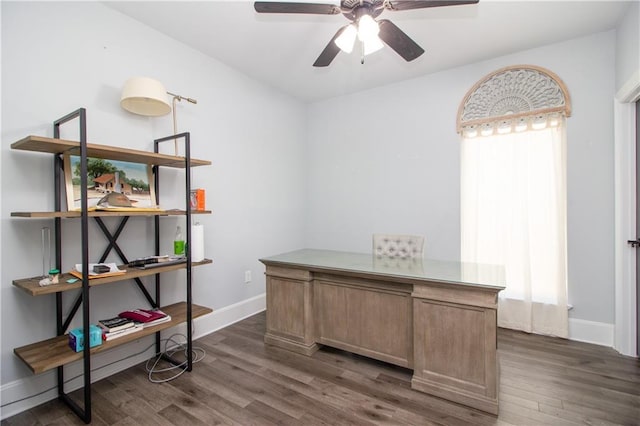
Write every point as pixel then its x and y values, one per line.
pixel 76 337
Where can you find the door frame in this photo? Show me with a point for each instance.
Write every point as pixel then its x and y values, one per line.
pixel 625 336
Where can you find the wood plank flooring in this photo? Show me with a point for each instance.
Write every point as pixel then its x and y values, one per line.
pixel 242 381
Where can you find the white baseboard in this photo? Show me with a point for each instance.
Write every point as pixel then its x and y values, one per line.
pixel 599 333
pixel 29 392
pixel 228 315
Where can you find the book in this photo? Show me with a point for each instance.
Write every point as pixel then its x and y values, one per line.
pixel 141 261
pixel 146 317
pixel 123 209
pixel 155 261
pixel 197 199
pixel 156 322
pixel 171 261
pixel 115 324
pixel 120 333
pixel 113 270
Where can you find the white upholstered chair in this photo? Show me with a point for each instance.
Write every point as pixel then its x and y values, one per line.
pixel 398 246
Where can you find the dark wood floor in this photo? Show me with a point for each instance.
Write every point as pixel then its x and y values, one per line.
pixel 243 382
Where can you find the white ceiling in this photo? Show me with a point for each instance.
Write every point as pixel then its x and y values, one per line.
pixel 279 50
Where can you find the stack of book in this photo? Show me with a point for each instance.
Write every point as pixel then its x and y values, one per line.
pixel 113 328
pixel 146 317
pixel 128 322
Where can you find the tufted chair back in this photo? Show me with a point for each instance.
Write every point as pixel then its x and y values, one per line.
pixel 401 246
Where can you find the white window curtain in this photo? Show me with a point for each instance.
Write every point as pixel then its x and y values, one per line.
pixel 513 212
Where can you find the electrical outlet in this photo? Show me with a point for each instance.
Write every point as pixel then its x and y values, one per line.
pixel 247 277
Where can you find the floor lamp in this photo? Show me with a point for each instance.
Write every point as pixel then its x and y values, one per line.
pixel 147 96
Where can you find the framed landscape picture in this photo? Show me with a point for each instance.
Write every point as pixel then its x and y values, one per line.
pixel 104 177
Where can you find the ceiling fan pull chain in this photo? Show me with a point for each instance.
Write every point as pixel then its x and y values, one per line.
pixel 362 53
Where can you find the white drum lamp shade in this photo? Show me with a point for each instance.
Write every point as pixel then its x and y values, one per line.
pixel 145 96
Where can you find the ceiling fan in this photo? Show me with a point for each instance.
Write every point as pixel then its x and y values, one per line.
pixel 362 14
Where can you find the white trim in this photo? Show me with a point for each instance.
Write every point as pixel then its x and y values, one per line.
pixel 630 91
pixel 16 390
pixel 231 314
pixel 625 228
pixel 113 361
pixel 599 333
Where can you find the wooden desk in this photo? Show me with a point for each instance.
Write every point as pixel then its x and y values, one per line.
pixel 436 318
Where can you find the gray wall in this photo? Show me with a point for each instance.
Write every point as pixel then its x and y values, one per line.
pixel 57 57
pixel 389 162
pixel 284 175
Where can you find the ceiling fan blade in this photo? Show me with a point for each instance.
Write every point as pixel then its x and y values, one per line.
pixel 286 7
pixel 330 51
pixel 399 41
pixel 421 4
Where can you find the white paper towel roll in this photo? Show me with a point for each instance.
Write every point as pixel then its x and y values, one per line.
pixel 197 242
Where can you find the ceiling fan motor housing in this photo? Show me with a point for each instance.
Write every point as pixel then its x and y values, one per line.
pixel 354 9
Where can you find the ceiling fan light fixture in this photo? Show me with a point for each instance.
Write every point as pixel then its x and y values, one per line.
pixel 347 38
pixel 372 45
pixel 368 28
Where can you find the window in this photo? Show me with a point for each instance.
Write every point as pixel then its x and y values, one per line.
pixel 513 193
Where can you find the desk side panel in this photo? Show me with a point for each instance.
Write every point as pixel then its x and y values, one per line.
pixel 290 322
pixel 455 352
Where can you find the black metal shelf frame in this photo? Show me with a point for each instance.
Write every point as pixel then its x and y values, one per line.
pixel 156 178
pixel 83 412
pixel 61 324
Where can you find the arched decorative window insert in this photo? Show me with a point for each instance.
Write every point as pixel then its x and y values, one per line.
pixel 513 99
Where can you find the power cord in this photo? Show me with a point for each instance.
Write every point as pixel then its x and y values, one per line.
pixel 197 353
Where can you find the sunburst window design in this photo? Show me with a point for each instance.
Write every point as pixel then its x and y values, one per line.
pixel 513 99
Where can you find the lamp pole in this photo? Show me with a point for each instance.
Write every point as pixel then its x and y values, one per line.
pixel 178 98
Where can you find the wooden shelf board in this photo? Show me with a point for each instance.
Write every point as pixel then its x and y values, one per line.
pixel 31 286
pixel 61 146
pixel 101 213
pixel 55 352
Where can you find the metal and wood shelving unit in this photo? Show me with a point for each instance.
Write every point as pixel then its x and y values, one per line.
pixel 55 353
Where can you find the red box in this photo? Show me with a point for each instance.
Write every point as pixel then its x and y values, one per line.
pixel 197 199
